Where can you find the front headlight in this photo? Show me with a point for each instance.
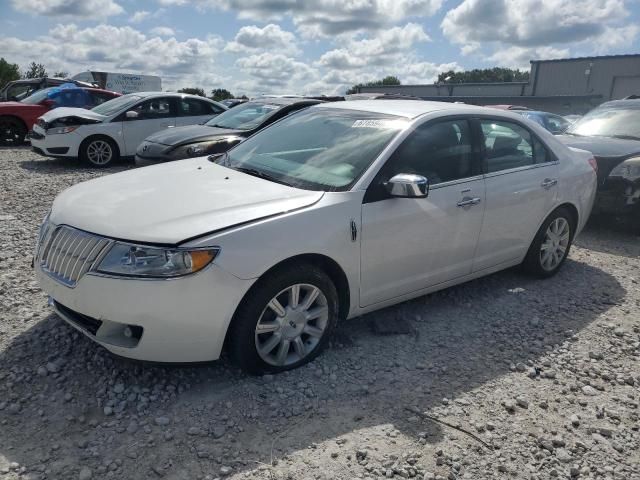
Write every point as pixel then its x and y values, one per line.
pixel 59 130
pixel 629 169
pixel 200 149
pixel 154 262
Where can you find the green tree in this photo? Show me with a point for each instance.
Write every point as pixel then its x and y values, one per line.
pixel 193 91
pixel 220 94
pixel 388 80
pixel 35 70
pixel 486 75
pixel 8 72
pixel 61 74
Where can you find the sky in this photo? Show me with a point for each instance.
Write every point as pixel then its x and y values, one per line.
pixel 308 47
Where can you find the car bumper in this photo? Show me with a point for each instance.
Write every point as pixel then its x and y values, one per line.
pixel 64 145
pixel 174 320
pixel 618 197
pixel 147 161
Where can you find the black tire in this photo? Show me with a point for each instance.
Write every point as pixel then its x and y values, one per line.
pixel 533 262
pixel 88 156
pixel 12 131
pixel 242 335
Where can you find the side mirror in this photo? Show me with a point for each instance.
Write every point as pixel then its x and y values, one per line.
pixel 132 115
pixel 408 185
pixel 48 103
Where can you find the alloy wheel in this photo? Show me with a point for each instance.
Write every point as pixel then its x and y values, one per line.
pixel 99 152
pixel 292 325
pixel 555 244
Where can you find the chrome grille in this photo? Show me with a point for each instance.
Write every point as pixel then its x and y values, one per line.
pixel 66 254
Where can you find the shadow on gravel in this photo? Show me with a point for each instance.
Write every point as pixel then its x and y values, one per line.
pixel 50 165
pixel 615 236
pixel 461 338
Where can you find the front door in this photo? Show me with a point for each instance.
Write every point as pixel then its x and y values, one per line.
pixel 192 111
pixel 521 188
pixel 153 115
pixel 412 243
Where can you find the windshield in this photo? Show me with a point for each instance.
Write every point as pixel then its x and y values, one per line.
pixel 116 105
pixel 609 122
pixel 316 149
pixel 244 117
pixel 38 96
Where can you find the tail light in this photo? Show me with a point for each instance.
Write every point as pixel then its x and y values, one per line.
pixel 594 164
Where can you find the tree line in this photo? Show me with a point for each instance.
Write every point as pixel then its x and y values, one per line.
pixel 217 94
pixel 11 71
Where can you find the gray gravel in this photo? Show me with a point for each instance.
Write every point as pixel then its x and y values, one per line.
pixel 503 377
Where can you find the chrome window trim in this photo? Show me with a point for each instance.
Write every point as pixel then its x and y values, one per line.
pixel 436 186
pixel 520 169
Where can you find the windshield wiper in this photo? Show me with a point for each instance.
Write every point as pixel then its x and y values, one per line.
pixel 260 174
pixel 626 137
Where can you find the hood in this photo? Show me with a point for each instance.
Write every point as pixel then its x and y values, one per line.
pixel 190 134
pixel 607 151
pixel 15 104
pixel 172 202
pixel 58 113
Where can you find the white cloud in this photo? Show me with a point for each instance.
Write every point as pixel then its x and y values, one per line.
pixel 87 9
pixel 139 16
pixel 251 39
pixel 275 70
pixel 520 57
pixel 162 31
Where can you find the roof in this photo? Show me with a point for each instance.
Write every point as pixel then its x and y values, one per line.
pixel 401 108
pixel 631 103
pixel 168 94
pixel 284 100
pixel 601 57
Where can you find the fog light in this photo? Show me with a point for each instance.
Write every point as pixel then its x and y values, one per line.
pixel 128 332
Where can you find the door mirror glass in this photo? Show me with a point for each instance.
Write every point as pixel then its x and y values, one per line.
pixel 132 115
pixel 408 185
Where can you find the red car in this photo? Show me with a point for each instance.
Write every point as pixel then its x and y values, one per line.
pixel 17 118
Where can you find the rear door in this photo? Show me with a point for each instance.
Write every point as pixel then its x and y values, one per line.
pixel 192 111
pixel 153 115
pixel 521 180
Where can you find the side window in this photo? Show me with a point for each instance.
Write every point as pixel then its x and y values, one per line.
pixel 557 124
pixel 540 152
pixel 153 109
pixel 98 98
pixel 190 107
pixel 441 152
pixel 76 98
pixel 507 145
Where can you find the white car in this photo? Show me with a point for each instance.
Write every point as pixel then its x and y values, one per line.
pixel 332 212
pixel 115 128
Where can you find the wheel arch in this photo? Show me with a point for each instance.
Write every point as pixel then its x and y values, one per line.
pixel 16 118
pixel 574 213
pixel 333 270
pixel 95 136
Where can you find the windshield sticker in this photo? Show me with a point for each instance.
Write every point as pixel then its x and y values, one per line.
pixel 395 124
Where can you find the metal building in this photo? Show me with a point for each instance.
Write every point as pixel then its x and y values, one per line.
pixel 564 86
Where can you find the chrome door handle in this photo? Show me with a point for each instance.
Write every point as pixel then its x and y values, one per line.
pixel 548 182
pixel 468 202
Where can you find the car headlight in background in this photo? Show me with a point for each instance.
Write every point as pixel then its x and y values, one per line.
pixel 203 148
pixel 629 169
pixel 59 130
pixel 154 262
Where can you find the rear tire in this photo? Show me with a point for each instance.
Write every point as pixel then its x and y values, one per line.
pixel 551 245
pixel 12 131
pixel 284 321
pixel 99 152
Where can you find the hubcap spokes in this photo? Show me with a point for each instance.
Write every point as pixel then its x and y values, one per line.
pixel 99 152
pixel 555 244
pixel 291 325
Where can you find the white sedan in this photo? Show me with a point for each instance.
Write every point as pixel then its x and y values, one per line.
pixel 332 212
pixel 115 128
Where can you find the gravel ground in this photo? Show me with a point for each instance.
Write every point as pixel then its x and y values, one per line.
pixel 503 377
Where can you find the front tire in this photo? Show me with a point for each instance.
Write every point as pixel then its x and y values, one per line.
pixel 285 321
pixel 99 152
pixel 12 132
pixel 551 245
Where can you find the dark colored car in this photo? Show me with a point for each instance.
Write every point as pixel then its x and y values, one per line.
pixel 612 133
pixel 218 134
pixel 379 96
pixel 20 89
pixel 18 118
pixel 550 121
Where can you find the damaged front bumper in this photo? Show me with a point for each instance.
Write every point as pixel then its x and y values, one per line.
pixel 618 196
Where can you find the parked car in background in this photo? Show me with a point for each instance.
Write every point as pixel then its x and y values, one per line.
pixel 334 211
pixel 572 118
pixel 218 134
pixel 508 107
pixel 552 122
pixel 233 102
pixel 379 96
pixel 612 133
pixel 121 82
pixel 18 118
pixel 20 89
pixel 116 128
